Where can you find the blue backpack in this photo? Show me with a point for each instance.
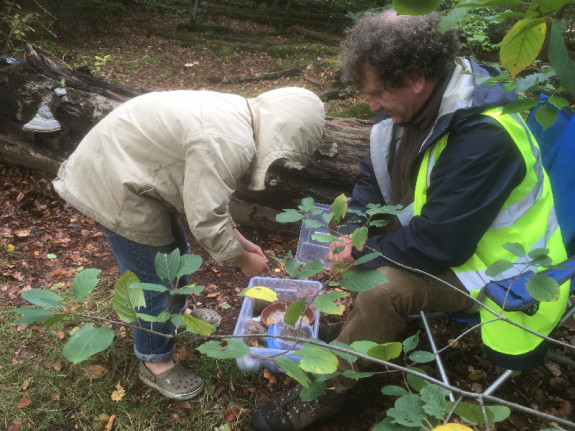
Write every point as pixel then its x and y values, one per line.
pixel 557 144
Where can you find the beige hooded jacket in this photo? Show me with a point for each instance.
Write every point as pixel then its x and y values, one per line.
pixel 184 152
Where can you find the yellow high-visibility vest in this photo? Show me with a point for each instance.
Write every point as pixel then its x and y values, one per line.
pixel 528 218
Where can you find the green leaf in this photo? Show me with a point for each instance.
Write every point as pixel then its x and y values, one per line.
pixel 359 236
pixel 356 375
pixel 87 342
pixel 126 300
pixel 559 59
pixel 307 205
pixel 149 286
pixel 294 311
pixel 546 116
pixel 323 237
pixel 515 248
pixel 317 360
pixel 52 320
pixel 164 316
pixel 292 370
pixel 416 382
pixel 518 106
pixel 362 280
pixel 313 224
pixel 435 403
pixel 260 292
pixel 411 343
pixel 408 411
pixel 189 263
pixel 42 298
pixel 386 351
pixel 422 356
pixel 367 258
pixel 363 346
pixel 188 290
pixel 314 390
pixel 498 267
pixel 289 216
pixel 347 356
pixel 521 45
pixel 84 283
pixel 415 7
pixel 31 315
pixel 388 425
pixel 167 265
pixel 393 391
pixel 473 414
pixel 339 207
pixel 292 268
pixel 543 288
pixel 311 268
pixel 228 348
pixel 197 326
pixel 325 303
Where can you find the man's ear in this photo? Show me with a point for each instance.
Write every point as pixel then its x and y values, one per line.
pixel 417 82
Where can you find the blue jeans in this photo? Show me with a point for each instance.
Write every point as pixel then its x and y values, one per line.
pixel 140 259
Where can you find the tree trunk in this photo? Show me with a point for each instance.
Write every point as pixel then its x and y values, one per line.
pixel 24 87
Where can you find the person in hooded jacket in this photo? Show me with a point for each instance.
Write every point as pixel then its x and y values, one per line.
pixel 468 177
pixel 183 152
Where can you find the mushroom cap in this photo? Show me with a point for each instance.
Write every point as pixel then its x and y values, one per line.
pixel 43 121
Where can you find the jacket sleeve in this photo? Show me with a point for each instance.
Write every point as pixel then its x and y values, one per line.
pixel 469 184
pixel 212 166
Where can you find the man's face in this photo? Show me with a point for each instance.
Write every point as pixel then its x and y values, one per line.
pixel 400 104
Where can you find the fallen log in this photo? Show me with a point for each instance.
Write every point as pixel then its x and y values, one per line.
pixel 78 100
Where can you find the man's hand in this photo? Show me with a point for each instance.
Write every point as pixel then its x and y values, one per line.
pixel 340 251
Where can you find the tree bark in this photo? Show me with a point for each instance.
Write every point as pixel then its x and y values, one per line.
pixel 333 169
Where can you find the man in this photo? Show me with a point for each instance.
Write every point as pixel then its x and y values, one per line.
pixel 183 152
pixel 469 178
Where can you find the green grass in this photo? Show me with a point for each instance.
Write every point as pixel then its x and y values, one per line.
pixel 66 396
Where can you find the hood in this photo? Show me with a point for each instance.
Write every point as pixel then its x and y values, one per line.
pixel 288 124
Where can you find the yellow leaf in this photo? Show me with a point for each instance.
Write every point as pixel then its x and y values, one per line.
pixel 452 427
pixel 9 248
pixel 102 417
pixel 261 292
pixel 119 393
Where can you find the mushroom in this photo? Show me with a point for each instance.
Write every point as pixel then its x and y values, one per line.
pixel 43 121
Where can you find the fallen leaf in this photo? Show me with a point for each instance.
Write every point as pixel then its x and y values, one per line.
pixel 55 396
pixel 187 405
pixel 230 415
pixel 26 384
pixel 270 378
pixel 60 335
pixel 24 402
pixel 94 372
pixel 57 366
pixel 110 423
pixel 102 417
pixel 119 393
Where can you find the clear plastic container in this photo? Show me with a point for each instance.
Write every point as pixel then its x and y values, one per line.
pixel 287 290
pixel 309 249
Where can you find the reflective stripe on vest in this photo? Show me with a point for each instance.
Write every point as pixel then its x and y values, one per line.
pixel 528 218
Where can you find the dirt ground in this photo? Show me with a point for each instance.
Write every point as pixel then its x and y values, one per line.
pixel 38 224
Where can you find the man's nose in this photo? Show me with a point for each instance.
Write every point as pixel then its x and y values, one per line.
pixel 374 103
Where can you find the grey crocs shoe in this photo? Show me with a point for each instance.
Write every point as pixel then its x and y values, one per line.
pixel 177 383
pixel 207 315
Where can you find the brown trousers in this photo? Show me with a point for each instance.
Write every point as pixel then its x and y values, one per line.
pixel 381 313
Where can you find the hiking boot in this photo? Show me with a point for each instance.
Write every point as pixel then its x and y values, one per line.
pixel 329 333
pixel 290 413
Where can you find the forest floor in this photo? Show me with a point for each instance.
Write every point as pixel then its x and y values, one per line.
pixel 43 242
